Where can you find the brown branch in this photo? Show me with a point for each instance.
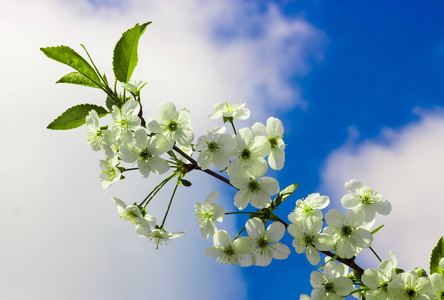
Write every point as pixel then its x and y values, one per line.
pixel 348 262
pixel 195 166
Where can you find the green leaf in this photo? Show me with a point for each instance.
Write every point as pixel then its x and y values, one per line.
pixel 398 270
pixel 75 116
pixel 185 182
pixel 284 194
pixel 77 78
pixel 125 52
pixel 377 229
pixel 437 254
pixel 69 57
pixel 110 102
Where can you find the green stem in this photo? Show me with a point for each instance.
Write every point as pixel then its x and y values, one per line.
pixel 239 234
pixel 156 190
pixel 239 212
pixel 169 205
pixel 130 169
pixel 232 125
pixel 375 254
pixel 105 87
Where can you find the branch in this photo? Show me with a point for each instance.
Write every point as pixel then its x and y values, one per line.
pixel 195 166
pixel 348 262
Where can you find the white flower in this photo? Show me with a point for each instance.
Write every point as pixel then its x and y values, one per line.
pixel 174 125
pixel 146 152
pixel 161 237
pixel 378 280
pixel 129 87
pixel 143 228
pixel 126 120
pixel 110 172
pixel 208 213
pixel 230 110
pixel 229 252
pixel 409 286
pixel 332 284
pixel 215 148
pixel 256 192
pixel 133 214
pixel 310 206
pixel 364 198
pixel 437 282
pixel 345 230
pixel 250 152
pixel 99 139
pixel 307 237
pixel 441 263
pixel 274 133
pixel 264 244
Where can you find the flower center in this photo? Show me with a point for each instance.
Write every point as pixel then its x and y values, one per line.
pixel 206 216
pixel 229 251
pixel 346 230
pixel 411 292
pixel 124 123
pixel 212 146
pixel 172 126
pixel 145 154
pixel 367 195
pixel 365 199
pixel 245 154
pixel 111 173
pixel 273 142
pixel 253 186
pixel 307 210
pixel 308 239
pixel 262 242
pixel 130 217
pixel 329 287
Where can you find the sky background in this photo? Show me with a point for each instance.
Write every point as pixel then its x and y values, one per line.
pixel 357 85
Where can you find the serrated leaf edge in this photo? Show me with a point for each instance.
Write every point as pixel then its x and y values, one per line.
pixel 72 107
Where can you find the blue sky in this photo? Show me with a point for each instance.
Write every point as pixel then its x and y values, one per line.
pixel 383 59
pixel 358 87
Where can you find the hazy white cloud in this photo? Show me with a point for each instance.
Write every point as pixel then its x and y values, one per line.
pixel 61 236
pixel 405 165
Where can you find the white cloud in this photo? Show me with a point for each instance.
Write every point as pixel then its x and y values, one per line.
pixel 405 165
pixel 61 237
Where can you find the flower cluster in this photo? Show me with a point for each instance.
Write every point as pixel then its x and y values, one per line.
pixel 165 143
pixel 241 155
